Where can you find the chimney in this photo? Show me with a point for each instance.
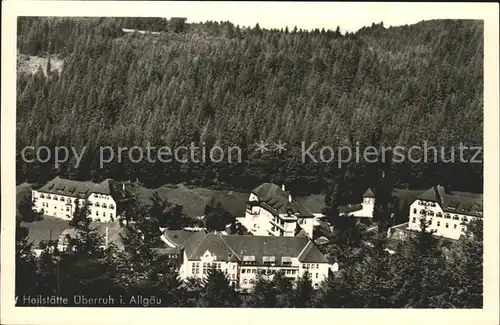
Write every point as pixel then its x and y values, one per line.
pixel 289 198
pixel 123 186
pixel 283 187
pixel 107 237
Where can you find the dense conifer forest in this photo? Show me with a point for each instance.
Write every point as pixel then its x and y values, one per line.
pixel 217 83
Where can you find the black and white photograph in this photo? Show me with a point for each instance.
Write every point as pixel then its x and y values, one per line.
pixel 269 160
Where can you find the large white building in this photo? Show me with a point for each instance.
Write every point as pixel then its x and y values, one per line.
pixel 243 257
pixel 271 211
pixel 447 212
pixel 59 197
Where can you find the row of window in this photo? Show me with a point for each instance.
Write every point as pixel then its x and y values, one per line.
pixel 205 267
pixel 438 223
pixel 310 266
pixel 426 204
pixel 54 197
pixel 97 205
pixel 440 215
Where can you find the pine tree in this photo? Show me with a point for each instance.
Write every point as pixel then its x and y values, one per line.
pixel 217 291
pixel 422 280
pixel 303 292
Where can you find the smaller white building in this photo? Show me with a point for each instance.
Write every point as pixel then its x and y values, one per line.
pixel 447 213
pixel 362 210
pixel 271 211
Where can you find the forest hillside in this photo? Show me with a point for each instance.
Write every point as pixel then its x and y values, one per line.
pixel 217 83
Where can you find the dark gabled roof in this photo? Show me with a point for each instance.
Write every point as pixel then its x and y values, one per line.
pixel 189 240
pixel 369 193
pixel 114 233
pixel 67 187
pixel 454 202
pixel 234 247
pixel 311 254
pixel 61 186
pixel 434 194
pixel 274 197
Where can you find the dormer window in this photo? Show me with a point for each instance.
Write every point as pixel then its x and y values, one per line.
pixel 286 261
pixel 269 260
pixel 249 259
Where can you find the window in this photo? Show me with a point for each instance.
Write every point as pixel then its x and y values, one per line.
pixel 104 214
pixel 415 210
pixel 61 199
pixel 455 217
pixel 438 223
pixel 242 271
pixel 252 281
pixel 104 205
pixel 431 213
pixel 414 220
pixel 245 281
pixel 48 197
pixel 233 276
pixel 464 219
pixel 196 268
pixel 111 206
pixel 206 266
pixel 454 226
pixel 439 215
pixel 111 215
pixel 97 204
pixel 96 213
pixel 447 216
pixel 446 225
pixel 254 271
pixel 422 212
pixel 42 196
pixel 317 275
pixel 67 209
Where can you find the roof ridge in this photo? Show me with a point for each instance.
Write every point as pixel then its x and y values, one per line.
pixel 303 249
pixel 232 250
pixel 199 245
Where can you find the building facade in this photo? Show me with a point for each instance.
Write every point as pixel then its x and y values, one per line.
pixel 271 211
pixel 59 198
pixel 242 258
pixel 447 213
